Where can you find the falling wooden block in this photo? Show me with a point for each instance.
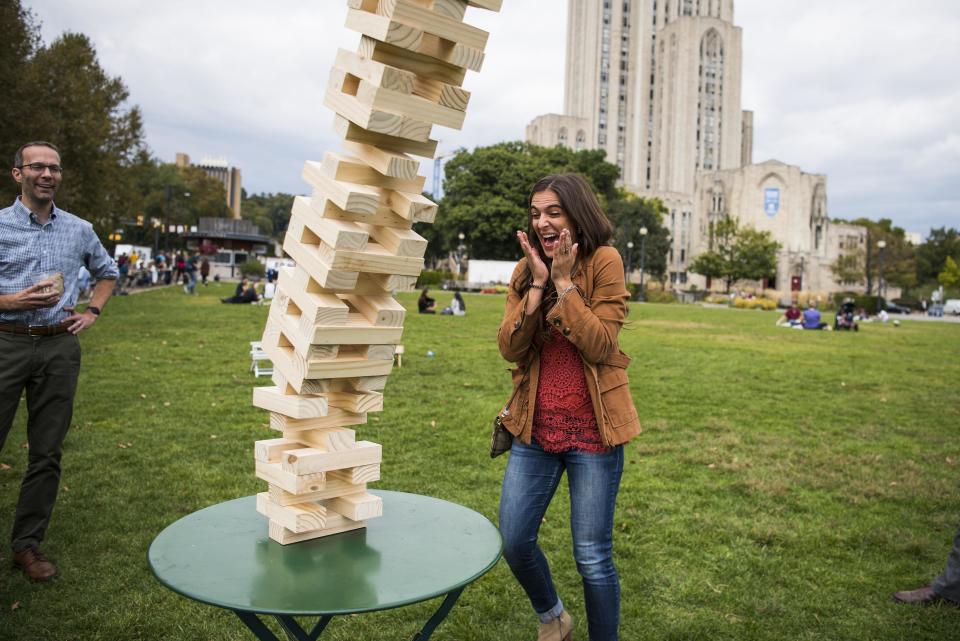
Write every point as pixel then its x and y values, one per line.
pixel 335 417
pixel 336 524
pixel 299 517
pixel 363 171
pixel 334 488
pixel 354 133
pixel 359 474
pixel 273 400
pixel 356 507
pixel 295 484
pixel 310 460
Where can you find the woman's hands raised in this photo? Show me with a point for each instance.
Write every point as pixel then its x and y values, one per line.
pixel 538 269
pixel 564 258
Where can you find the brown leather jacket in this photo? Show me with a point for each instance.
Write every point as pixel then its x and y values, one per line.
pixel 590 317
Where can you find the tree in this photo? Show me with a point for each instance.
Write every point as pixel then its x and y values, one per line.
pixel 486 193
pixel 950 276
pixel 61 94
pixel 269 212
pixel 628 214
pixel 848 269
pixel 737 254
pixel 896 259
pixel 941 244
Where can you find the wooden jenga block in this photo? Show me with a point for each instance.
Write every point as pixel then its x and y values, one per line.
pixel 442 93
pixel 421 65
pixel 269 450
pixel 492 5
pixel 279 329
pixel 454 9
pixel 356 507
pixel 373 103
pixel 375 259
pixel 402 242
pixel 355 133
pixel 356 330
pixel 334 439
pixel 414 207
pixel 383 29
pixel 317 306
pixel 354 197
pixel 391 164
pixel 359 474
pixel 338 234
pixel 273 400
pixel 359 170
pixel 358 402
pixel 335 525
pixel 293 483
pixel 304 247
pixel 333 489
pixel 456 53
pixel 353 99
pixel 335 417
pixel 375 72
pixel 310 460
pixel 409 13
pixel 382 311
pixel 383 217
pixel 299 517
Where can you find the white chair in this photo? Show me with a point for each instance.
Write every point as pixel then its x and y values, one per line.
pixel 258 356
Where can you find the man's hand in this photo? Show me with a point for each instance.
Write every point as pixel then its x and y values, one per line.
pixel 36 296
pixel 78 322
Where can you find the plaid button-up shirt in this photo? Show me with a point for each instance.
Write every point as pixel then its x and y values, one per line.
pixel 62 244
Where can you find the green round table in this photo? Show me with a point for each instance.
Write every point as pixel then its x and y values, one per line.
pixel 421 548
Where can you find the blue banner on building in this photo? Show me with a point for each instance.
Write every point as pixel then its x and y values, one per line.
pixel 771 200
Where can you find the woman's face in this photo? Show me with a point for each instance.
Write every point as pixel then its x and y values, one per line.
pixel 548 219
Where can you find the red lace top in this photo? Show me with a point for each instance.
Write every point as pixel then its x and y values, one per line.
pixel 564 418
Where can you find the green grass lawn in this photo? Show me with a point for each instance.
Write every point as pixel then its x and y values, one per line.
pixel 786 483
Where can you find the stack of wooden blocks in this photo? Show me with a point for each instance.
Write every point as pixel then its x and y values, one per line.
pixel 334 323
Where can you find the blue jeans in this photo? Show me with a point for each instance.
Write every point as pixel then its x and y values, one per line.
pixel 529 484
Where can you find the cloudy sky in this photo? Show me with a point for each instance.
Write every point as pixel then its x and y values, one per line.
pixel 864 92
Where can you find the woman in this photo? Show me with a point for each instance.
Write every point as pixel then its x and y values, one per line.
pixel 425 304
pixel 571 409
pixel 457 306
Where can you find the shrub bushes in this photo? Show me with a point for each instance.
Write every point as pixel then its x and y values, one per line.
pixel 433 278
pixel 755 303
pixel 253 268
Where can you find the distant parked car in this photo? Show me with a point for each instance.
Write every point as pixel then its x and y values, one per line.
pixel 894 308
pixel 952 306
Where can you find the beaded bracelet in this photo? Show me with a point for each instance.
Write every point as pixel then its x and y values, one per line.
pixel 540 287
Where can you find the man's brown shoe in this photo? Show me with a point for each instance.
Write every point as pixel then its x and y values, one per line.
pixel 922 596
pixel 34 564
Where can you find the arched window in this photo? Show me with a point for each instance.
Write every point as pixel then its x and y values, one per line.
pixel 709 118
pixel 562 137
pixel 581 140
pixel 688 7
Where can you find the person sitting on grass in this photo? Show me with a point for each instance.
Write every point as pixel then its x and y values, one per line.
pixel 246 294
pixel 425 304
pixel 791 317
pixel 811 318
pixel 457 305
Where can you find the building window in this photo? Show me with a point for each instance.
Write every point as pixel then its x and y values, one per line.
pixel 562 137
pixel 581 140
pixel 710 94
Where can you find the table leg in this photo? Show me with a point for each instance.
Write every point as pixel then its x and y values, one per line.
pixel 438 616
pixel 287 623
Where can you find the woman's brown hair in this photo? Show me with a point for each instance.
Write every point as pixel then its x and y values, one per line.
pixel 579 202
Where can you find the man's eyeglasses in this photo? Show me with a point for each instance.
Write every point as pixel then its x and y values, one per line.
pixel 39 168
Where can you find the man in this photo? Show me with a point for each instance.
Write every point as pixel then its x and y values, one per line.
pixel 811 318
pixel 39 349
pixel 945 588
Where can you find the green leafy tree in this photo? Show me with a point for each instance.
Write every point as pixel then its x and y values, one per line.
pixel 20 40
pixel 941 244
pixel 486 194
pixel 628 214
pixel 896 261
pixel 737 253
pixel 950 276
pixel 269 212
pixel 848 269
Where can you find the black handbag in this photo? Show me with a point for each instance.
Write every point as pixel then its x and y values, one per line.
pixel 502 439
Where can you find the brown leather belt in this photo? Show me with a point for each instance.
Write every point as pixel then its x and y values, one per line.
pixel 33 330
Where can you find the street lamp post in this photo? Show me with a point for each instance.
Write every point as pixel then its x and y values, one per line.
pixel 881 245
pixel 629 264
pixel 643 256
pixel 461 252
